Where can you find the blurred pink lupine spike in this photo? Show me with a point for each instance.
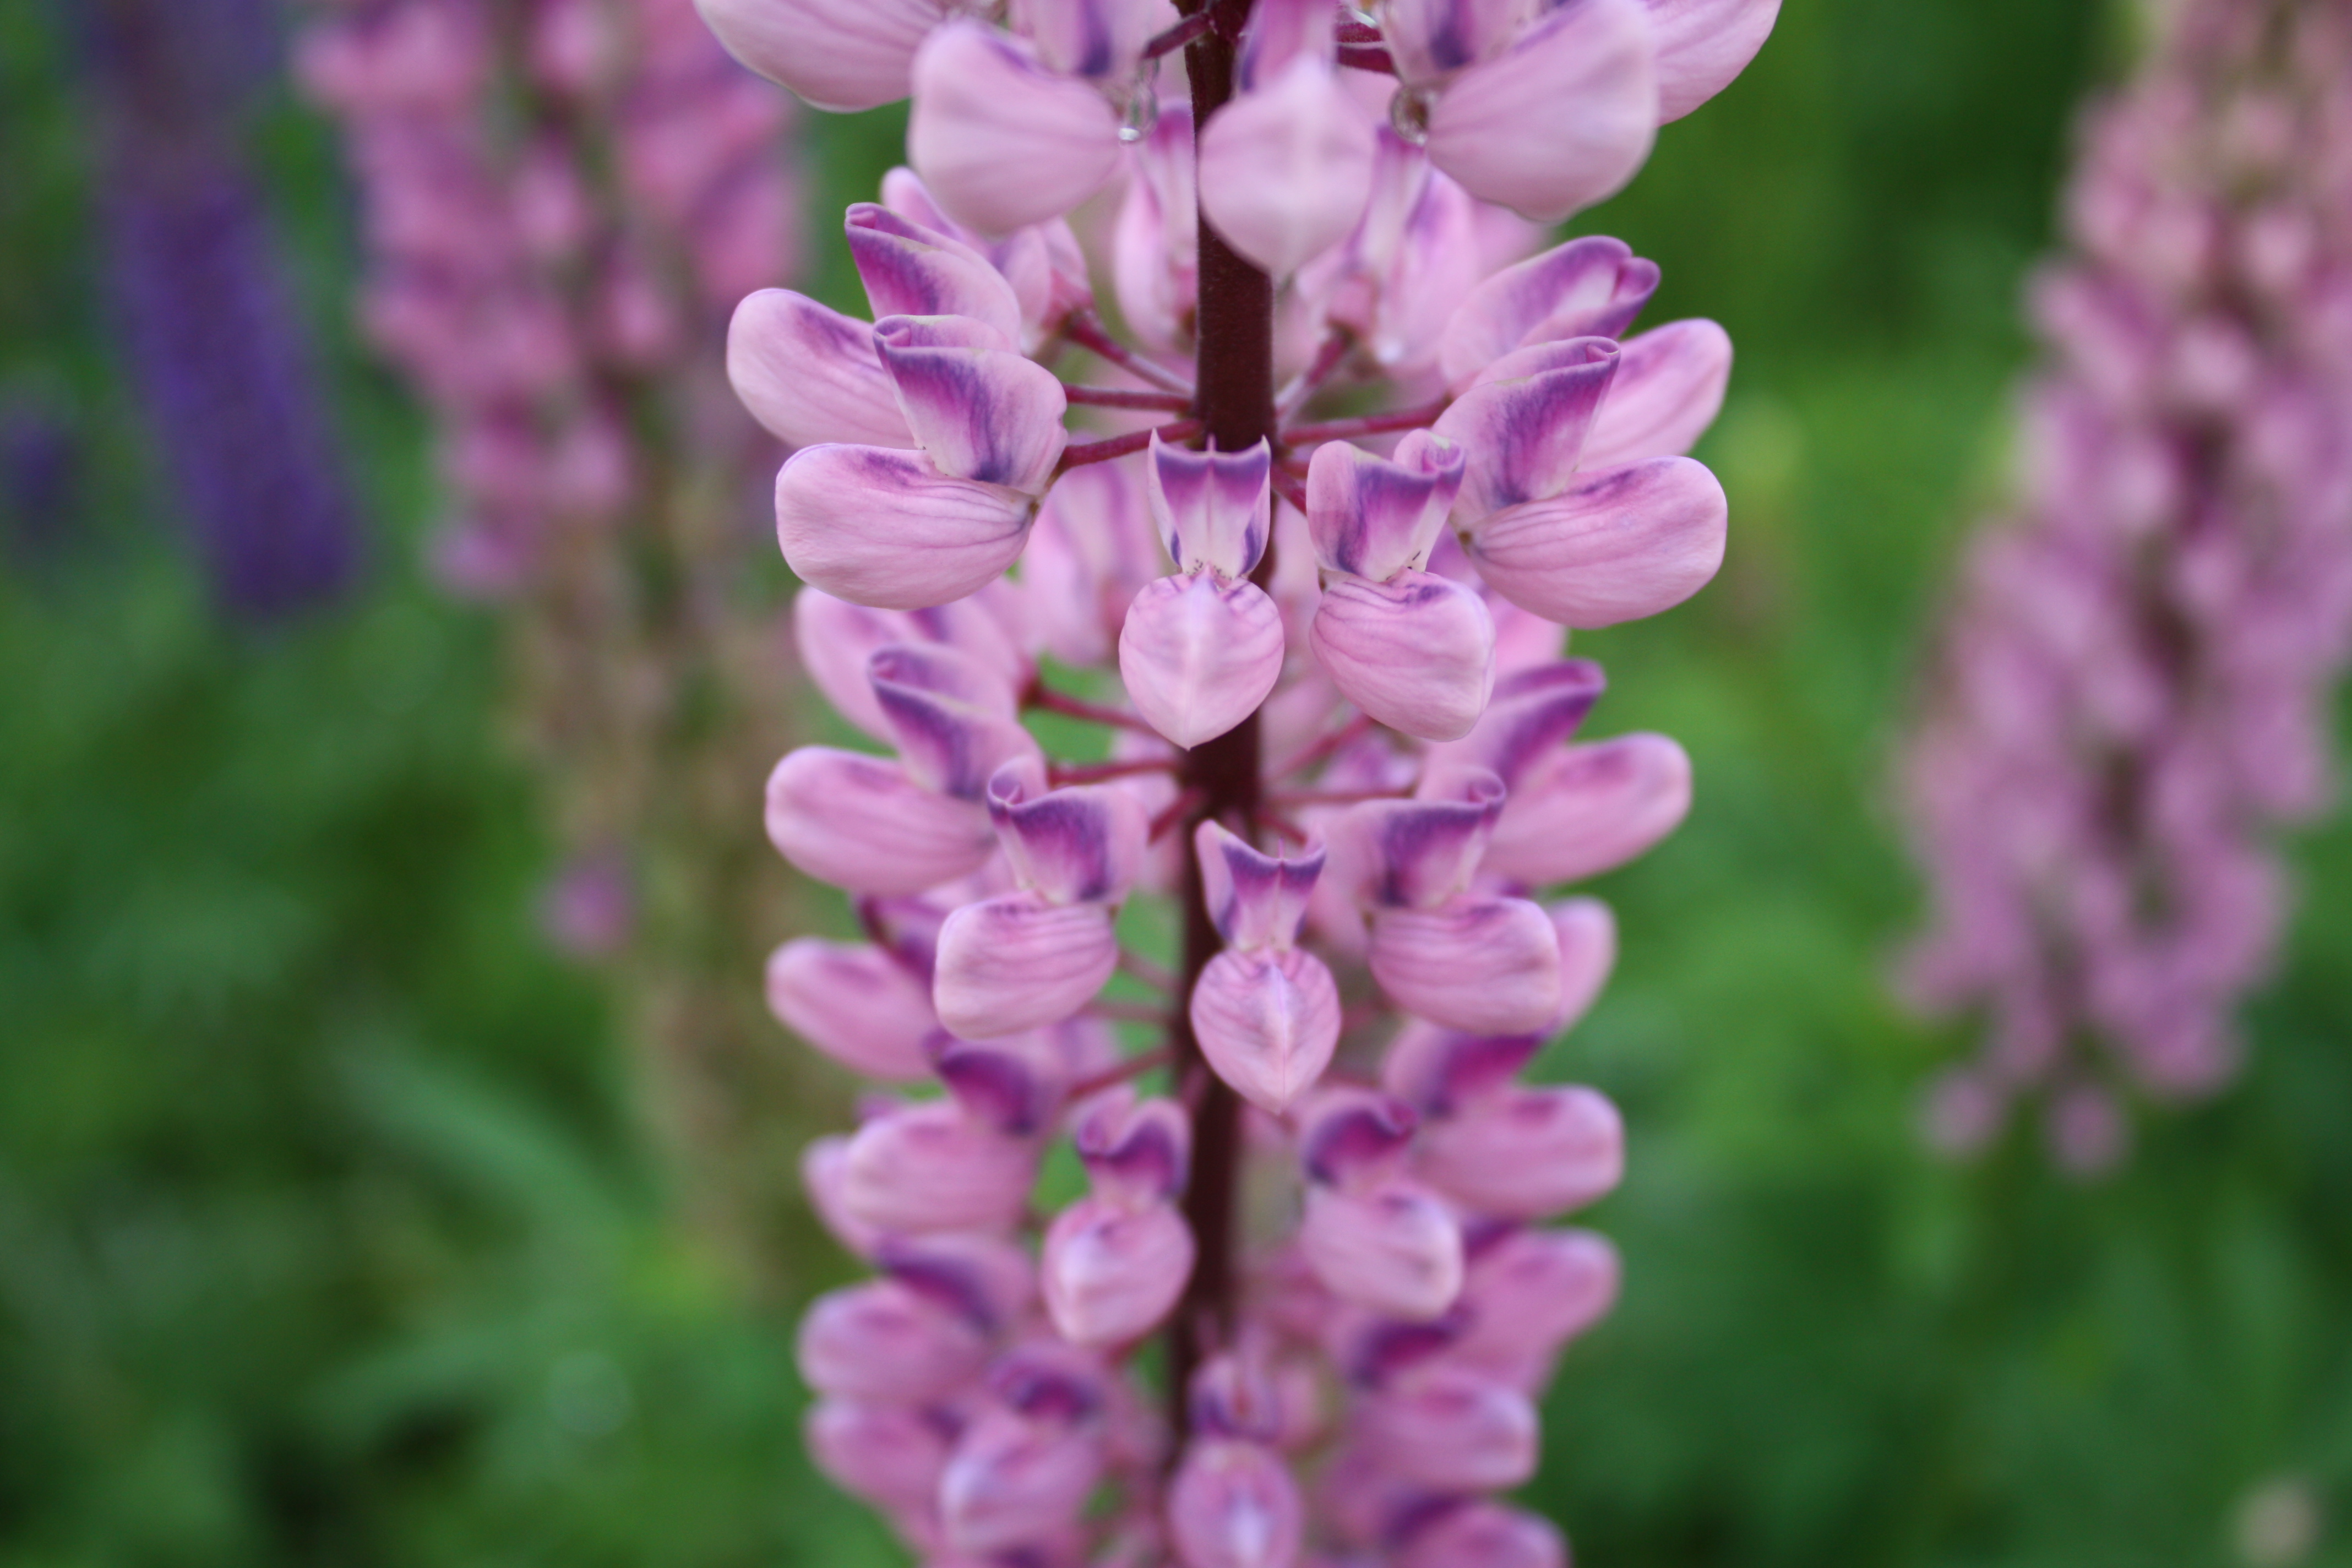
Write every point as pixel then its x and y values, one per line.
pixel 1485 1535
pixel 1469 461
pixel 837 54
pixel 936 1167
pixel 1286 167
pixel 809 374
pixel 888 1456
pixel 824 1171
pixel 862 823
pixel 1616 545
pixel 1394 1248
pixel 1527 1154
pixel 978 408
pixel 1560 118
pixel 1702 45
pixel 911 270
pixel 1001 138
pixel 857 1005
pixel 882 1343
pixel 954 719
pixel 1451 1430
pixel 1264 1015
pixel 1577 811
pixel 1668 389
pixel 1234 1504
pixel 1589 287
pixel 1522 422
pixel 888 528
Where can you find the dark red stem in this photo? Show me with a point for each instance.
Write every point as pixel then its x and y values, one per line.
pixel 1366 57
pixel 1417 418
pixel 1235 379
pixel 1043 696
pixel 1359 33
pixel 1103 451
pixel 1122 397
pixel 1082 329
pixel 1177 37
pixel 1102 772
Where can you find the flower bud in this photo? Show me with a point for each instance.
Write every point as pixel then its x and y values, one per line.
pixel 953 720
pixel 1135 1151
pixel 1439 1072
pixel 1199 655
pixel 979 409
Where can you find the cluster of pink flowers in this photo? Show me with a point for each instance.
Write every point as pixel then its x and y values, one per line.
pixel 561 199
pixel 2134 684
pixel 1362 459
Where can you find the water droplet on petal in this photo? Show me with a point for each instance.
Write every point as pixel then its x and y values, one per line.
pixel 1408 113
pixel 1141 112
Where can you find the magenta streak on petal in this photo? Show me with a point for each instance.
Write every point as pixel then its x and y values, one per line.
pixel 1366 1130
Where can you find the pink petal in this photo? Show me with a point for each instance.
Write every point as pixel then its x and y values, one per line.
pixel 885 1345
pixel 1010 1085
pixel 1255 899
pixel 953 719
pixel 1486 966
pixel 1285 170
pixel 1618 545
pixel 1001 140
pixel 1280 33
pixel 1374 517
pixel 979 412
pixel 1135 1150
pixel 1111 1272
pixel 987 1279
pixel 1081 844
pixel 1669 388
pixel 1212 509
pixel 1098 40
pixel 1522 424
pixel 887 1457
pixel 911 270
pixel 1485 1535
pixel 1355 1138
pixel 886 529
pixel 824 1171
pixel 1558 122
pixel 1451 1430
pixel 1416 653
pixel 1530 713
pixel 1156 249
pixel 934 1167
pixel 1415 853
pixel 837 640
pixel 809 374
pixel 1585 810
pixel 1412 260
pixel 1528 1294
pixel 1432 39
pixel 1703 45
pixel 1018 963
pixel 1441 1071
pixel 1199 656
pixel 1589 287
pixel 1395 1251
pixel 1013 1482
pixel 1528 1154
pixel 1266 1023
pixel 857 1005
pixel 860 823
pixel 1234 1505
pixel 1093 549
pixel 1588 952
pixel 844 54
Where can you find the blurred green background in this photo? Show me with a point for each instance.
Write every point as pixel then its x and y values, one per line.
pixel 329 1234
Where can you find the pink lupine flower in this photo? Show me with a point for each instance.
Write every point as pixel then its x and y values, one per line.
pixel 1363 460
pixel 2132 688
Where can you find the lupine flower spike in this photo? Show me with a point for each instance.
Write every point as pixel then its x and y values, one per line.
pixel 2132 691
pixel 1303 547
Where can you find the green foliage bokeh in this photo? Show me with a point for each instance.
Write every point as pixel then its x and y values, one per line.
pixel 327 1231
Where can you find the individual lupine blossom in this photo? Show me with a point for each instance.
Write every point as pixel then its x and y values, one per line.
pixel 561 202
pixel 1299 549
pixel 2135 683
pixel 215 344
